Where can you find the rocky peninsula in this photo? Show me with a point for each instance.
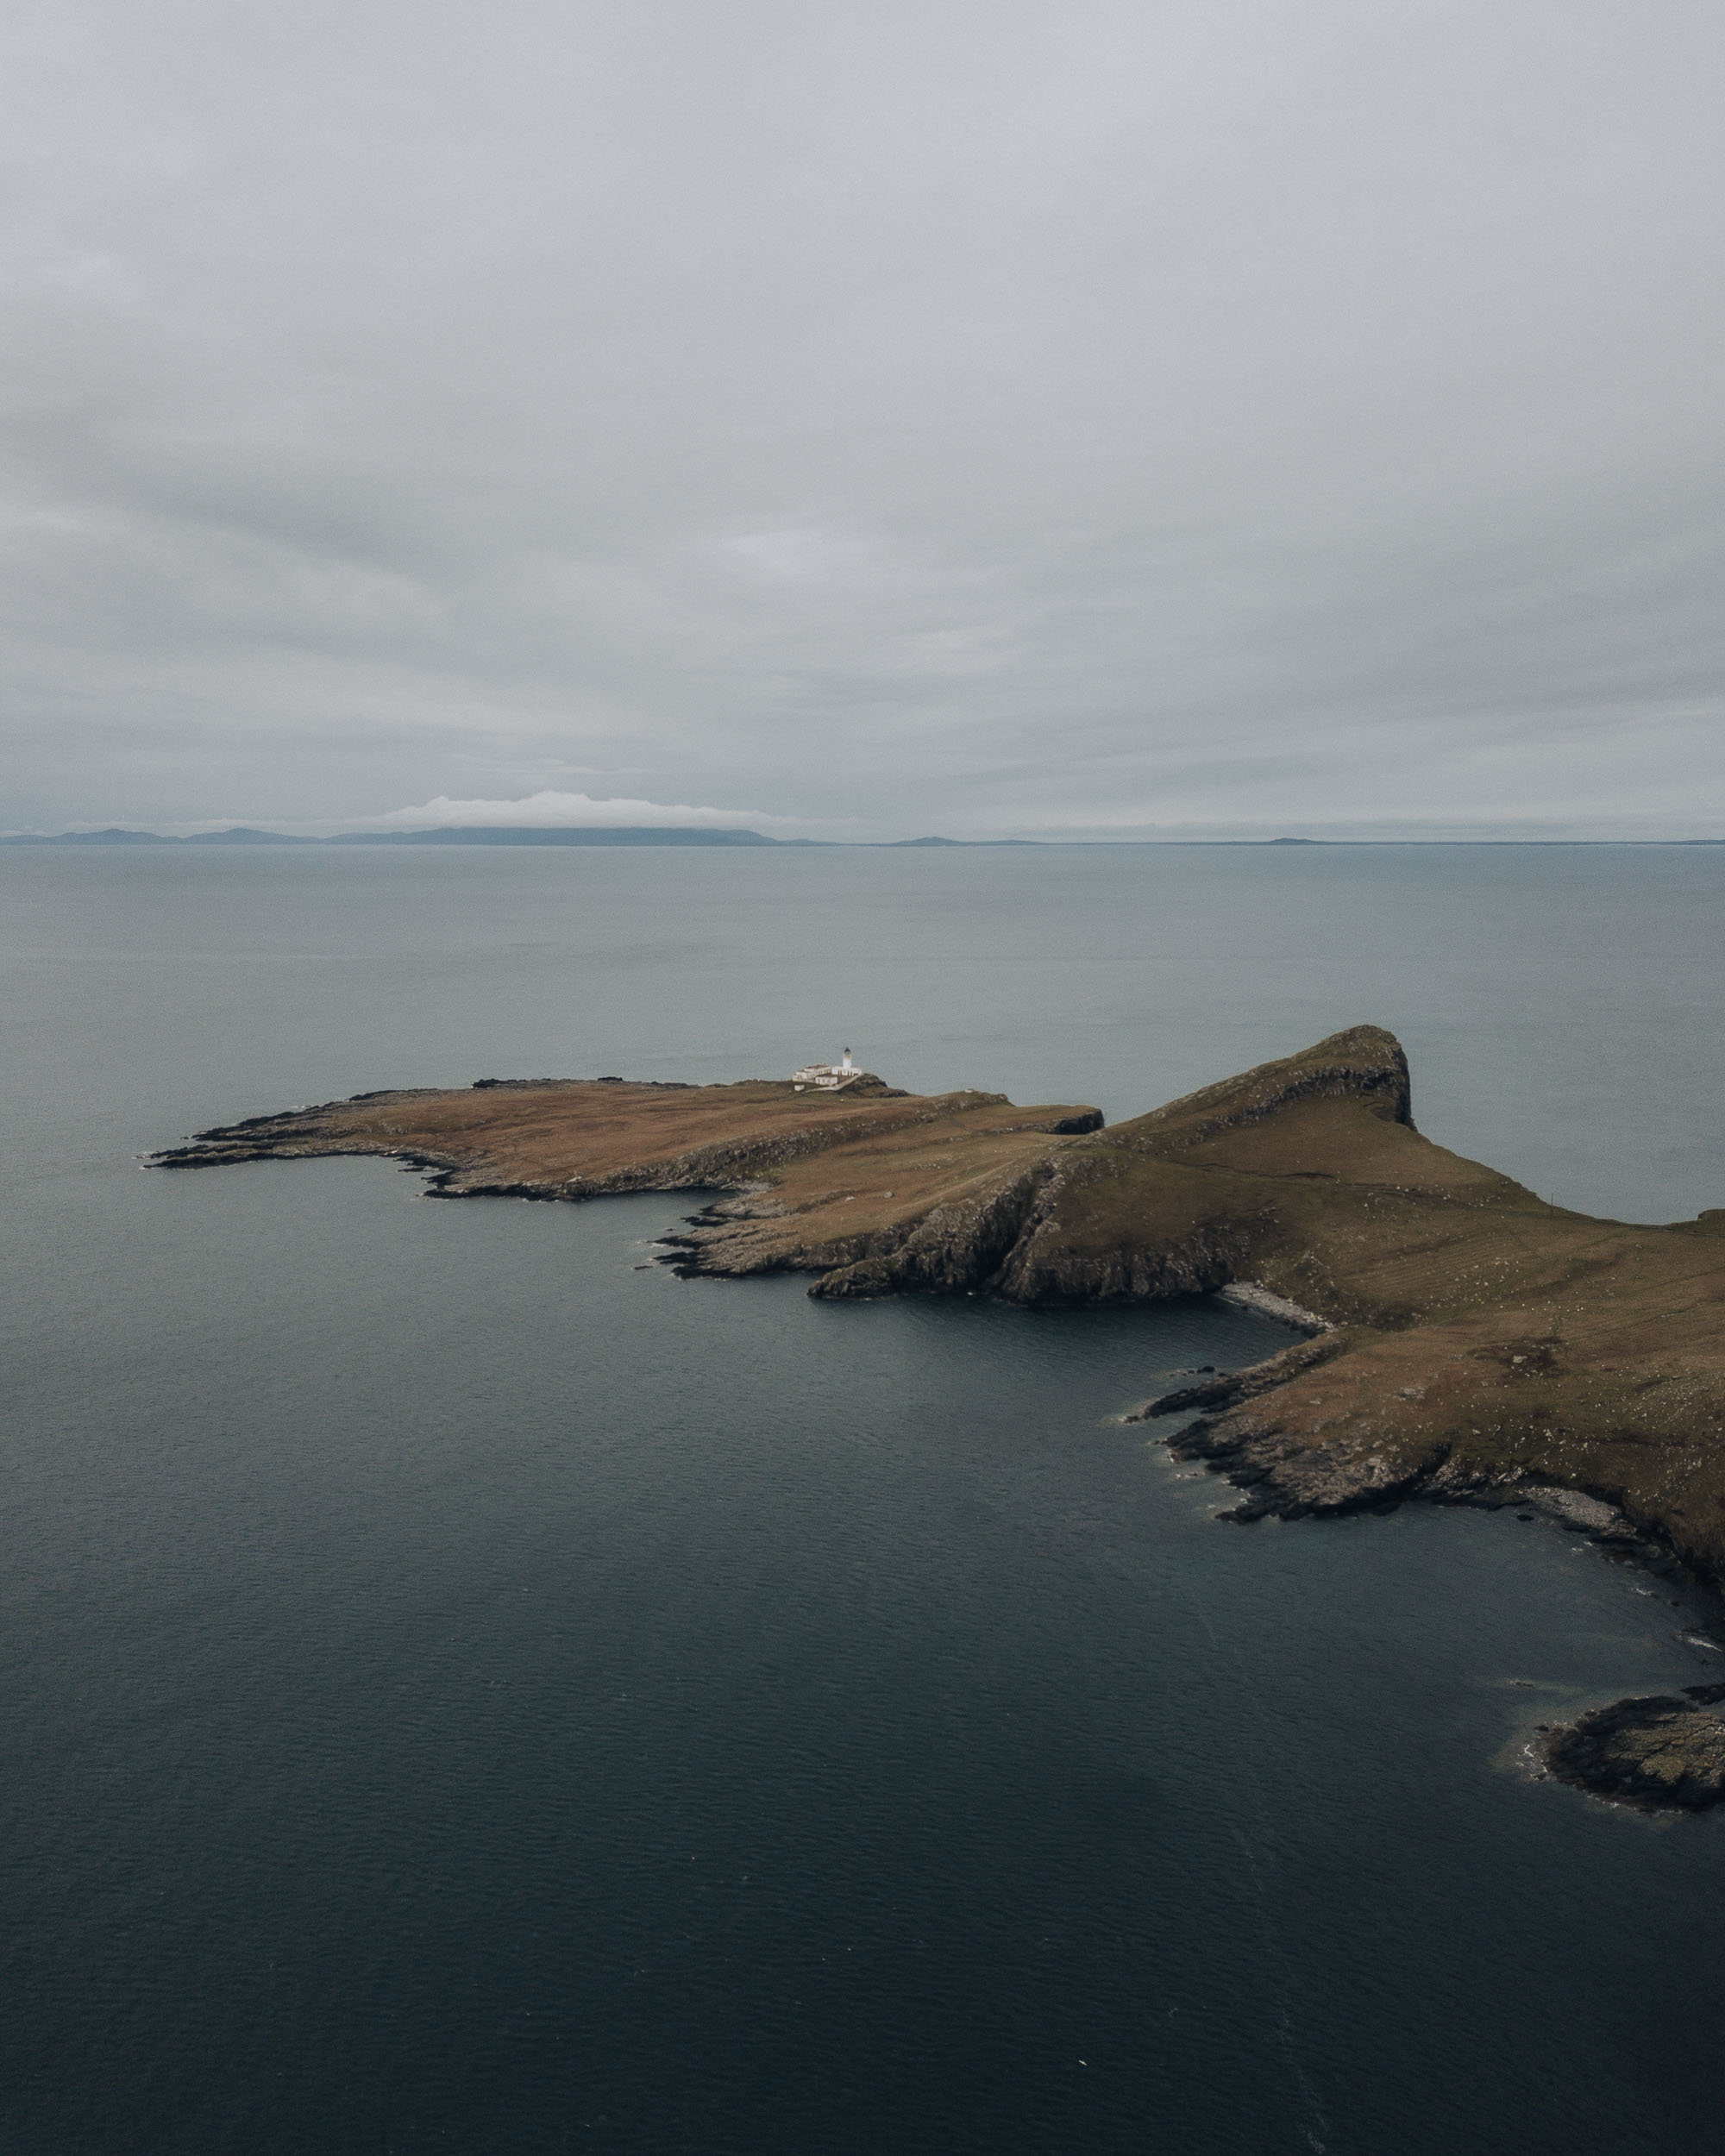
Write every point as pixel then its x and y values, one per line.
pixel 1468 1341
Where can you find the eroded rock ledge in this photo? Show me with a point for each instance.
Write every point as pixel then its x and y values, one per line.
pixel 1662 1753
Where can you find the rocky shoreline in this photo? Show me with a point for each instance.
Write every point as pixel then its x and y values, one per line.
pixel 1663 1752
pixel 1281 1479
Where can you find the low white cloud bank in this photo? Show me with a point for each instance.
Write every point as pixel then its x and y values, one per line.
pixel 549 808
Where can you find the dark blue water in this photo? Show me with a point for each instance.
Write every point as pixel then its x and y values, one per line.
pixel 463 1688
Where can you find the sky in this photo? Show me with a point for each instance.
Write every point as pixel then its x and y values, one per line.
pixel 1066 421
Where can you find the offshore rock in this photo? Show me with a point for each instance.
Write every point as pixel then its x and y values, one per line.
pixel 1662 1753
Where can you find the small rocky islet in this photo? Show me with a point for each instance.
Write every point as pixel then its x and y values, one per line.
pixel 1658 1754
pixel 1467 1340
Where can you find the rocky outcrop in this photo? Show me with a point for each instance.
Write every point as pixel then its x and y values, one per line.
pixel 1662 1753
pixel 1232 1386
pixel 1279 1476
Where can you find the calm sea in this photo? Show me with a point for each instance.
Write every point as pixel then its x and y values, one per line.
pixel 465 1689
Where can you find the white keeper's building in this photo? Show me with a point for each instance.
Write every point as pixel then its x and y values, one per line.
pixel 829 1077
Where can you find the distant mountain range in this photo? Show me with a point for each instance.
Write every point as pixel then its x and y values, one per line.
pixel 473 834
pixel 483 834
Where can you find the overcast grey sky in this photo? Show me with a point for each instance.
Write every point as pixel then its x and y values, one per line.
pixel 959 415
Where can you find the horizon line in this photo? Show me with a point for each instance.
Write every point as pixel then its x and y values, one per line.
pixel 744 836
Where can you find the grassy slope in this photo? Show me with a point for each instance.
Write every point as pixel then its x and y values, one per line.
pixel 1483 1327
pixel 832 1175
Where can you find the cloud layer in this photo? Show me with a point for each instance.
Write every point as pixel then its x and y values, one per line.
pixel 547 808
pixel 980 416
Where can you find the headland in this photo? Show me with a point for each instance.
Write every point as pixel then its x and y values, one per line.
pixel 1467 1340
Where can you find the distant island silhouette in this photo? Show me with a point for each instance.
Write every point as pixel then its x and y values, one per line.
pixel 488 835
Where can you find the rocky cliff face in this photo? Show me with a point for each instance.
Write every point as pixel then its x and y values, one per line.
pixel 1053 1262
pixel 955 1248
